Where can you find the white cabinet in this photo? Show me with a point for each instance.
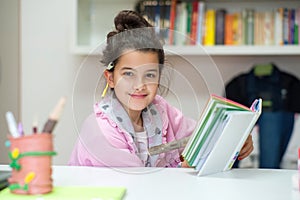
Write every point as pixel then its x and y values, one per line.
pixel 93 19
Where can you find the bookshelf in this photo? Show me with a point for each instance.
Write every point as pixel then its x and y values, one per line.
pixel 86 37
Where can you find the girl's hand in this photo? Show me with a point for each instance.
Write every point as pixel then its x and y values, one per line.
pixel 185 164
pixel 247 148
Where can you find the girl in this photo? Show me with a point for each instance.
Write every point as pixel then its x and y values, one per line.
pixel 132 118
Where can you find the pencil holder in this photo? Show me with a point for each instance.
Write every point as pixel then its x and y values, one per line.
pixel 31 161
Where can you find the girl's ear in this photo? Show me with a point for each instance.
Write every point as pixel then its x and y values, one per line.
pixel 109 78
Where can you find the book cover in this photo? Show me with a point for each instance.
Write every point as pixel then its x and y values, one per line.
pixel 220 133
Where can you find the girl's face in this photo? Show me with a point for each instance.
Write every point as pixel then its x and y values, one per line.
pixel 135 79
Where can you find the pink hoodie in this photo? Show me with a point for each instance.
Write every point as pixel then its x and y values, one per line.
pixel 102 143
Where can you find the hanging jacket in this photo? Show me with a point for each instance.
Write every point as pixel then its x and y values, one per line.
pixel 279 88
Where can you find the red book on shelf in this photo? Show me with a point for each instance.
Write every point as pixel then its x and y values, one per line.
pixel 194 22
pixel 172 21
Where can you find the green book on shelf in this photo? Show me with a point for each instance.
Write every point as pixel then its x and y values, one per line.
pixel 71 193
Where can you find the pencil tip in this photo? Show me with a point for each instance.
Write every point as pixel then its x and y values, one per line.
pixel 58 108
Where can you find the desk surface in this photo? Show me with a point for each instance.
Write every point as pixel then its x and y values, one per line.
pixel 182 183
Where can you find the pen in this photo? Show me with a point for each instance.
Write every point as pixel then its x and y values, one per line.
pixel 12 125
pixel 20 129
pixel 34 125
pixel 54 116
pixel 177 144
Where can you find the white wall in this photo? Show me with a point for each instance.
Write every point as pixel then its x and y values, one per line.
pixel 49 69
pixel 9 68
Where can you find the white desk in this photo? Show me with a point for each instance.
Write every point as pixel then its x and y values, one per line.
pixel 183 184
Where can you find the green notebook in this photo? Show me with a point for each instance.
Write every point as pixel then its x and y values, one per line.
pixel 71 193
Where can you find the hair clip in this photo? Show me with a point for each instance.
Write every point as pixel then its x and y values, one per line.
pixel 110 66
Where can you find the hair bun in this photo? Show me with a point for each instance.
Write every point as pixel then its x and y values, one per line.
pixel 128 19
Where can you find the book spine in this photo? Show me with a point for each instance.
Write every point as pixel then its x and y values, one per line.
pixel 157 16
pixel 285 26
pixel 172 21
pixel 181 24
pixel 298 17
pixel 228 29
pixel 210 27
pixel 194 22
pixel 249 34
pixel 220 26
pixel 166 20
pixel 278 29
pixel 256 28
pixel 297 24
pixel 236 28
pixel 291 26
pixel 200 25
pixel 268 28
pixel 189 8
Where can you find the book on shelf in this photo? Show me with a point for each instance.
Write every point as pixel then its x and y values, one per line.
pixel 278 31
pixel 172 21
pixel 189 8
pixel 180 24
pixel 210 27
pixel 220 134
pixel 194 22
pixel 228 38
pixel 206 25
pixel 220 24
pixel 200 24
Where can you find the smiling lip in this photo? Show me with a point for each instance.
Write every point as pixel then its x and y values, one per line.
pixel 138 96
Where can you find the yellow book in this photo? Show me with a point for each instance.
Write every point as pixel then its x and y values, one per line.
pixel 210 27
pixel 237 28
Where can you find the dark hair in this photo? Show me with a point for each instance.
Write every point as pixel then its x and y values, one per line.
pixel 132 32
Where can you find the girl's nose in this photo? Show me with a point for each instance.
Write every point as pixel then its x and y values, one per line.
pixel 139 84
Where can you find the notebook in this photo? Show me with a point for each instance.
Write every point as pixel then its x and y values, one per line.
pixel 4 175
pixel 220 134
pixel 71 193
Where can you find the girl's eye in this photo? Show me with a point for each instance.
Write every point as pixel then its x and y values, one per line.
pixel 128 73
pixel 150 75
